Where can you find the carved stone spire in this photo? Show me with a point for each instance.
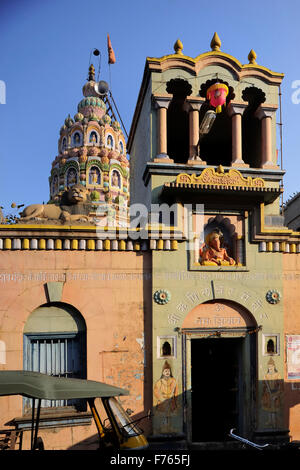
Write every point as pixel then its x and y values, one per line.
pixel 252 57
pixel 91 73
pixel 215 43
pixel 178 46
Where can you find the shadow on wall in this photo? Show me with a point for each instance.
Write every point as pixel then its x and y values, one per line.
pixel 142 420
pixel 213 417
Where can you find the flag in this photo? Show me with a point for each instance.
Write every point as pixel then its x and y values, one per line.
pixel 111 54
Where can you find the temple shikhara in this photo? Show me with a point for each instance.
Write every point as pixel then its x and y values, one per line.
pixel 162 263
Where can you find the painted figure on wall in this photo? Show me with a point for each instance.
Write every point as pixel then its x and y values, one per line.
pixel 272 393
pixel 76 139
pixel 55 184
pixel 94 175
pixel 71 177
pixel 110 142
pixel 93 137
pixel 212 253
pixel 166 391
pixel 115 179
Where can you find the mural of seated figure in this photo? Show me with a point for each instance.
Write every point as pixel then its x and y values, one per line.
pixel 212 253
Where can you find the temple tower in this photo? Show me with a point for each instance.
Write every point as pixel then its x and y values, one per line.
pixel 203 142
pixel 92 151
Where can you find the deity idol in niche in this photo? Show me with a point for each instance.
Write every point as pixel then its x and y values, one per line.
pixel 76 139
pixel 55 184
pixel 109 141
pixel 115 179
pixel 71 177
pixel 94 175
pixel 93 137
pixel 212 253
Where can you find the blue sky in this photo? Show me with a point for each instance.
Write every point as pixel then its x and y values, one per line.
pixel 45 48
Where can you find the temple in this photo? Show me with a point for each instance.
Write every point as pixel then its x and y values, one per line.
pixel 182 290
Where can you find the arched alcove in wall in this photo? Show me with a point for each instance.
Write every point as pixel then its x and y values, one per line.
pixel 219 313
pixel 55 344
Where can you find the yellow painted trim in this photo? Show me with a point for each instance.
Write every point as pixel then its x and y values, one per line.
pixel 25 244
pixel 221 54
pixel 137 246
pixel 7 244
pixel 266 230
pixel 81 228
pixel 282 246
pixel 91 244
pixel 160 244
pixel 42 244
pixel 269 246
pixel 106 244
pixel 293 248
pixel 174 244
pixel 74 244
pixel 58 244
pixel 122 245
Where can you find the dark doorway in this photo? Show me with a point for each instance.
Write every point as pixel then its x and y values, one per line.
pixel 216 378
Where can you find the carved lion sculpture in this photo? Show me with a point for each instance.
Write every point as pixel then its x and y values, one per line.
pixel 74 196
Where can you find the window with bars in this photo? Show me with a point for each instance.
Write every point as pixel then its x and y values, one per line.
pixel 57 354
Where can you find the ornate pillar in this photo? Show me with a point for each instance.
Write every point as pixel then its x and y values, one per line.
pixel 194 131
pixel 265 116
pixel 194 157
pixel 161 130
pixel 236 111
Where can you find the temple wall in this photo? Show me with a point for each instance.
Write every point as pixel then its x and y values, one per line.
pixel 110 291
pixel 291 302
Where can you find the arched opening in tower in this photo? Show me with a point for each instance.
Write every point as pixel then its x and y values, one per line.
pixel 216 146
pixel 178 120
pixel 251 127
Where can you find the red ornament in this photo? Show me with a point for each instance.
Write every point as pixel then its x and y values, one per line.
pixel 216 94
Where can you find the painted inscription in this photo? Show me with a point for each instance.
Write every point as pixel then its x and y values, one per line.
pixel 192 298
pixel 210 322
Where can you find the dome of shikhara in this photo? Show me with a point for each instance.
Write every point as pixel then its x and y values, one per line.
pixel 92 152
pixel 92 106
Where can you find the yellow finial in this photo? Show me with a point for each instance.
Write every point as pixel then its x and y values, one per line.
pixel 252 57
pixel 215 43
pixel 220 169
pixel 91 72
pixel 178 46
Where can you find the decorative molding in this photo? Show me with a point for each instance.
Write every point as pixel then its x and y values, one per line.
pixel 210 176
pixel 273 296
pixel 162 296
pixel 54 290
pixel 89 244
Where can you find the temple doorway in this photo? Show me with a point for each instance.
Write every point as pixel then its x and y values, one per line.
pixel 219 340
pixel 216 379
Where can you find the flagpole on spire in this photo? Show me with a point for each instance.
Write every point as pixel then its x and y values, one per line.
pixel 111 57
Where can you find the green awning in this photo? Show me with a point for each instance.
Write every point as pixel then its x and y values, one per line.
pixel 43 386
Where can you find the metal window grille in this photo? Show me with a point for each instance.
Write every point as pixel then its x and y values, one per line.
pixel 60 355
